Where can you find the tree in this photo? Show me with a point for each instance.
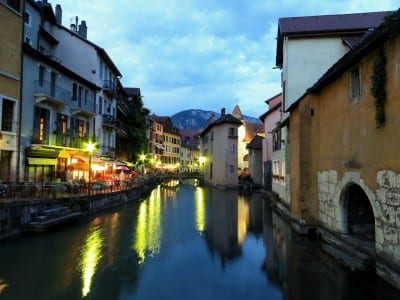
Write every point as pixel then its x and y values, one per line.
pixel 137 141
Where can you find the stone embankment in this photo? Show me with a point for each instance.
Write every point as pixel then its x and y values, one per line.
pixel 17 214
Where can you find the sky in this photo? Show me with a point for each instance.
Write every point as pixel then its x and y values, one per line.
pixel 199 54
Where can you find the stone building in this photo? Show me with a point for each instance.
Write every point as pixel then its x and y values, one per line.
pixel 345 167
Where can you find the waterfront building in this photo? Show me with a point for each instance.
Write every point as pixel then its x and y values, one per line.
pixel 270 119
pixel 306 48
pixel 94 64
pixel 345 168
pixel 155 135
pixel 219 150
pixel 255 159
pixel 58 104
pixel 11 22
pixel 190 139
pixel 170 158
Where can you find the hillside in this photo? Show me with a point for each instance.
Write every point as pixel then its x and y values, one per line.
pixel 195 119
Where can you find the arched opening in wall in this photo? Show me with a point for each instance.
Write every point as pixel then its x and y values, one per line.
pixel 360 216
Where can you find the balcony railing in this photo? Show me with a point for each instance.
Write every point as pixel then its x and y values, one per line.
pixel 45 91
pixel 109 121
pixel 109 87
pixel 107 151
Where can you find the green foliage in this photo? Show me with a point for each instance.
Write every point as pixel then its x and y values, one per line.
pixel 137 141
pixel 392 24
pixel 378 88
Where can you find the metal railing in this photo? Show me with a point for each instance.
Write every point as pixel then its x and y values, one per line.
pixel 47 88
pixel 55 190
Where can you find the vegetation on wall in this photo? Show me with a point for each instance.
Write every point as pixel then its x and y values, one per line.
pixel 378 87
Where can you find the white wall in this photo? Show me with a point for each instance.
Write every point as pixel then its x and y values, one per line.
pixel 305 61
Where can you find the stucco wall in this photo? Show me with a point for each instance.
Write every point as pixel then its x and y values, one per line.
pixel 345 147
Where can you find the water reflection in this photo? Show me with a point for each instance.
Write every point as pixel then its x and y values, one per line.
pixel 3 285
pixel 204 243
pixel 147 239
pixel 200 205
pixel 90 257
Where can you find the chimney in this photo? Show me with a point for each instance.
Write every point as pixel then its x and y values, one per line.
pixel 58 14
pixel 222 112
pixel 83 29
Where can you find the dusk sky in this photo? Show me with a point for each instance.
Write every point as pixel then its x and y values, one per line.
pixel 204 54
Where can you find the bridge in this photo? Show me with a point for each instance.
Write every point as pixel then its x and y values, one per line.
pixel 181 177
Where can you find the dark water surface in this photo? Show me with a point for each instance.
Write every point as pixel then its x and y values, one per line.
pixel 183 242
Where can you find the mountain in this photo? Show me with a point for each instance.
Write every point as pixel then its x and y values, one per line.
pixel 195 119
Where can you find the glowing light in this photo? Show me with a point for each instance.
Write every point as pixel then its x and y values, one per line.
pixel 3 285
pixel 90 257
pixel 200 210
pixel 243 219
pixel 148 229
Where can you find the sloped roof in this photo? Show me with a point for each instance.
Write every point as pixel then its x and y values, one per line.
pixel 256 143
pixel 345 24
pixel 237 113
pixel 227 118
pixel 132 91
pixel 371 42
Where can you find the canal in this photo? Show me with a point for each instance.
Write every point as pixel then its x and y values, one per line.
pixel 183 242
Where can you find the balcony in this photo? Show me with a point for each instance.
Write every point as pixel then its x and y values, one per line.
pixel 51 94
pixel 123 106
pixel 122 129
pixel 109 121
pixel 107 151
pixel 109 88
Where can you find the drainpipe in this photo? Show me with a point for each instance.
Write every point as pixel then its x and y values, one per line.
pixel 19 129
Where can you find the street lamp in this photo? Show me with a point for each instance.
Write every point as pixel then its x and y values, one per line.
pixel 90 148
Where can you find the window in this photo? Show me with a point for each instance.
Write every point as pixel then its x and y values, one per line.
pixel 74 92
pixel 355 83
pixel 86 96
pixel 101 70
pixel 41 75
pixel 232 132
pixel 28 40
pixel 15 4
pixel 100 105
pixel 276 140
pixel 231 169
pixel 7 115
pixel 27 18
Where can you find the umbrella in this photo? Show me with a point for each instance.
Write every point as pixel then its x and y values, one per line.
pixel 123 168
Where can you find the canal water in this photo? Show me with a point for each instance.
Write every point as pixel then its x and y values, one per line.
pixel 183 242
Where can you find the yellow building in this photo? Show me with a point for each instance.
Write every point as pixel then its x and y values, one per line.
pixel 10 87
pixel 345 166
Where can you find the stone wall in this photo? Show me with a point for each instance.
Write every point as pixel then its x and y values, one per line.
pixel 385 203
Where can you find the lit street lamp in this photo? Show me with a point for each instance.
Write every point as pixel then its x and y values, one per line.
pixel 90 148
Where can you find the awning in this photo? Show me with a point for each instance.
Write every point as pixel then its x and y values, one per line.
pixel 41 161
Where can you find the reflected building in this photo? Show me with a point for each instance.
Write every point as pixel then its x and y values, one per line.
pixel 297 265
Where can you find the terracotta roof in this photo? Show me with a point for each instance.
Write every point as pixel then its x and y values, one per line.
pixel 344 24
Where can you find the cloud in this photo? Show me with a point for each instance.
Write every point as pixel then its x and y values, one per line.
pixel 199 54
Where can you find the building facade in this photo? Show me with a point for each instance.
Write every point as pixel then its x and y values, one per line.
pixel 219 149
pixel 10 88
pixel 344 159
pixel 270 120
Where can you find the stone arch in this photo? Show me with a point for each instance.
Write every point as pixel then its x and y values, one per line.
pixel 350 181
pixel 358 213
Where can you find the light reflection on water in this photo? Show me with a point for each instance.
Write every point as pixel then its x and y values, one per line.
pixel 90 257
pixel 147 239
pixel 200 210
